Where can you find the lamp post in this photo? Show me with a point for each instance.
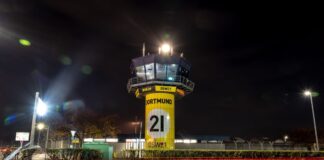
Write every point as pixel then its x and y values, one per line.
pixel 72 137
pixel 138 140
pixel 32 132
pixel 46 142
pixel 40 108
pixel 40 127
pixel 309 93
pixel 140 137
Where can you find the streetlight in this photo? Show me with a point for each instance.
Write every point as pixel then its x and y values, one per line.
pixel 136 123
pixel 40 127
pixel 309 93
pixel 286 138
pixel 72 137
pixel 40 108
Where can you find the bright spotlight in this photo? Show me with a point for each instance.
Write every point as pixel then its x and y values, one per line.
pixel 166 48
pixel 307 93
pixel 41 108
pixel 40 126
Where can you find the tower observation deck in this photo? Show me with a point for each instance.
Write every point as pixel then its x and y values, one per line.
pixel 160 79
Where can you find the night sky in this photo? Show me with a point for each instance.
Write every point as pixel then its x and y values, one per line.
pixel 250 61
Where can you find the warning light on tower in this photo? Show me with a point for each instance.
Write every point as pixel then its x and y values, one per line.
pixel 160 80
pixel 165 48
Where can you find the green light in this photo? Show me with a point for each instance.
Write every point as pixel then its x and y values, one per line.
pixel 86 69
pixel 166 36
pixel 24 42
pixel 66 60
pixel 315 94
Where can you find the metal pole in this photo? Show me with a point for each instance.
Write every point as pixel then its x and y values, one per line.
pixel 46 142
pixel 135 126
pixel 140 137
pixel 32 132
pixel 39 131
pixel 316 137
pixel 135 129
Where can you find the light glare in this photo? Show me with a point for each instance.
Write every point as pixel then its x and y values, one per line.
pixel 166 48
pixel 40 126
pixel 307 93
pixel 24 42
pixel 41 108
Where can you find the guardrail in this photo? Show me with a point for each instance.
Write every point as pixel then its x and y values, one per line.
pixel 136 81
pixel 17 151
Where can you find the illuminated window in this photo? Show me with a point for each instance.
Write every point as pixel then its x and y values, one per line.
pixel 172 72
pixel 149 71
pixel 140 72
pixel 161 71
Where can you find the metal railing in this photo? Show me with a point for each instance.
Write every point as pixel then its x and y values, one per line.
pixel 178 80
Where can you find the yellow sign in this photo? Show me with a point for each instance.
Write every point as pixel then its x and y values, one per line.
pixel 165 89
pixel 159 121
pixel 76 140
pixel 146 89
pixel 137 93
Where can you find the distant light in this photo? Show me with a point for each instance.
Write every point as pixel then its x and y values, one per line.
pixel 112 140
pixel 178 141
pixel 24 42
pixel 165 48
pixel 86 69
pixel 134 140
pixel 285 138
pixel 66 60
pixel 130 140
pixel 41 109
pixel 186 141
pixel 307 93
pixel 170 78
pixel 193 141
pixel 88 139
pixel 99 140
pixel 40 126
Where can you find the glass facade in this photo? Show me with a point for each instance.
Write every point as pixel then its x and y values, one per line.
pixel 161 71
pixel 167 72
pixel 172 72
pixel 149 71
pixel 140 72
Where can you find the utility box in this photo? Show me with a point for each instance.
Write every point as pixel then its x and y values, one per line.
pixel 104 148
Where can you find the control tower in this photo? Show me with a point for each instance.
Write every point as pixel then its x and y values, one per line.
pixel 160 79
